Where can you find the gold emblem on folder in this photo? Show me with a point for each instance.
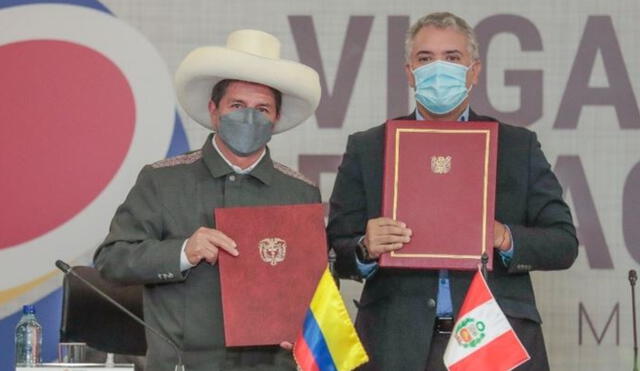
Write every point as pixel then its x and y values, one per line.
pixel 440 164
pixel 272 250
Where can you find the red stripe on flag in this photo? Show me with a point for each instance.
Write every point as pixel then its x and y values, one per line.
pixel 303 355
pixel 477 294
pixel 504 353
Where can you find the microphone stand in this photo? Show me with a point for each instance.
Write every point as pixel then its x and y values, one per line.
pixel 633 277
pixel 67 269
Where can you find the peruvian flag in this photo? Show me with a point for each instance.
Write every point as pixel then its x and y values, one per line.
pixel 482 339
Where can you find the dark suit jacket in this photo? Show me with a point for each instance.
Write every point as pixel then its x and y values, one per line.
pixel 397 308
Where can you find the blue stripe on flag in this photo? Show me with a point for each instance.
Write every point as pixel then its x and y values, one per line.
pixel 316 343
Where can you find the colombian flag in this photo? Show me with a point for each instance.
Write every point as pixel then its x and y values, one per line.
pixel 328 340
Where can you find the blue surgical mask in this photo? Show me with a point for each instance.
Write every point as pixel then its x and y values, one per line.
pixel 441 86
pixel 245 131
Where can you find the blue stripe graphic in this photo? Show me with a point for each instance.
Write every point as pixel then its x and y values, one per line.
pixel 179 143
pixel 315 341
pixel 86 3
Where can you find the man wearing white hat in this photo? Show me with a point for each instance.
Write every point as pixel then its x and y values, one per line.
pixel 164 236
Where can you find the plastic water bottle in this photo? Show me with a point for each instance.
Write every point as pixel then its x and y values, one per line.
pixel 28 338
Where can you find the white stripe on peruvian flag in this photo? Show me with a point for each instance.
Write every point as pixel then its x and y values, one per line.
pixel 491 343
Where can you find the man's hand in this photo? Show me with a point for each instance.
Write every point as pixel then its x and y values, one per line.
pixel 501 237
pixel 384 235
pixel 205 244
pixel 286 346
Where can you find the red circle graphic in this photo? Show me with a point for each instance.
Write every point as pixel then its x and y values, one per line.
pixel 67 117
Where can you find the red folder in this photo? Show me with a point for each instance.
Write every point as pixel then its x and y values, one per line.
pixel 439 179
pixel 266 290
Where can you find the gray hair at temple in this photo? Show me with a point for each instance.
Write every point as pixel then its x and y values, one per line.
pixel 443 20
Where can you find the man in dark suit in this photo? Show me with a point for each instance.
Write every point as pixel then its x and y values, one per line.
pixel 405 316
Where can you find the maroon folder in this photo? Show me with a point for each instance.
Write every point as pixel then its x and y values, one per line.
pixel 439 179
pixel 266 290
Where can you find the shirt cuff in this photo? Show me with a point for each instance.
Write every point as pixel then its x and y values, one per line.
pixel 366 269
pixel 184 261
pixel 508 254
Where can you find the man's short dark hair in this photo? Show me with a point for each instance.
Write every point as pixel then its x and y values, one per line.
pixel 220 89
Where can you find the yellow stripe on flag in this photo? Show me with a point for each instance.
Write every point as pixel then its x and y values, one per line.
pixel 336 326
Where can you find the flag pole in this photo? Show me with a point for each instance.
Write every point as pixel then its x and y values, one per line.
pixel 332 269
pixel 484 260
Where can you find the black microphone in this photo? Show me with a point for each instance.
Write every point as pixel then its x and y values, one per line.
pixel 69 270
pixel 633 277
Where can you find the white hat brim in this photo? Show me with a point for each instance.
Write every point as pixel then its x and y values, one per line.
pixel 206 66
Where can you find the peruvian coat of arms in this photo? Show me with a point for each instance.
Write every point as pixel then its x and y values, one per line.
pixel 469 333
pixel 440 164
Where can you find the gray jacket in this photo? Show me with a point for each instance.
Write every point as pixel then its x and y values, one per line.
pixel 170 200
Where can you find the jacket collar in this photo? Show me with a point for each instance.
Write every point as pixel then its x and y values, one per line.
pixel 473 116
pixel 218 167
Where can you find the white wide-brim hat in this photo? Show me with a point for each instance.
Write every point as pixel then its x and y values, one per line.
pixel 253 56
